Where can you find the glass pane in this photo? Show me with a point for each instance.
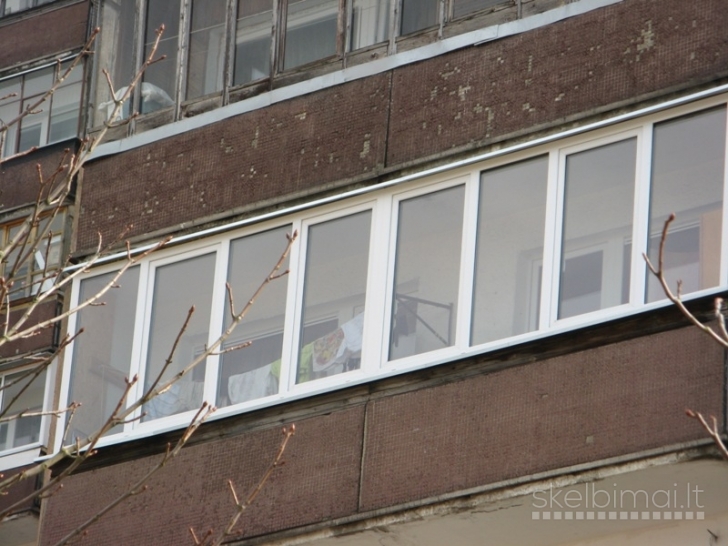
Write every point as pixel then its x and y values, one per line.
pixel 160 79
pixel 76 75
pixel 310 31
pixel 102 353
pixel 464 7
pixel 418 14
pixel 253 40
pixel 687 179
pixel 26 430
pixel 253 372
pixel 38 82
pixel 509 252
pixel 598 207
pixel 207 48
pixel 118 21
pixel 20 278
pixel 64 114
pixel 9 110
pixel 427 272
pixel 370 23
pixel 177 287
pixel 34 127
pixel 333 298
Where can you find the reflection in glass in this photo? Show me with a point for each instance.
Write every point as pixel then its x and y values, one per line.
pixel 310 31
pixel 687 179
pixel 335 282
pixel 253 40
pixel 370 23
pixel 254 371
pixel 418 15
pixel 101 355
pixel 598 207
pixel 427 272
pixel 511 219
pixel 21 392
pixel 160 79
pixel 206 48
pixel 177 287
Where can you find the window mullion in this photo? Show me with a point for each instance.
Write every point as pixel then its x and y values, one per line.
pixel 552 240
pixel 142 321
pixel 230 29
pixel 724 226
pixel 217 312
pixel 463 319
pixel 396 10
pixel 293 311
pixel 641 218
pixel 183 48
pixel 278 42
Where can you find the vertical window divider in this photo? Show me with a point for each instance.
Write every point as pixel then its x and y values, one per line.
pixel 217 312
pixel 375 305
pixel 393 207
pixel 463 322
pixel 394 17
pixel 347 29
pixel 67 362
pixel 641 218
pixel 183 48
pixel 293 311
pixel 278 42
pixel 441 21
pixel 142 322
pixel 552 240
pixel 135 99
pixel 231 15
pixel 724 224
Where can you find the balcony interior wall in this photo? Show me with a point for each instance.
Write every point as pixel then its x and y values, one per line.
pixel 374 448
pixel 431 110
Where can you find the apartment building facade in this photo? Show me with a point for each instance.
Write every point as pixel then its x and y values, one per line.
pixel 467 338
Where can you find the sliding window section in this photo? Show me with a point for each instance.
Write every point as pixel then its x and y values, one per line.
pixel 599 189
pixel 688 168
pixel 311 31
pixel 103 352
pixel 370 22
pixel 206 57
pixel 159 85
pixel 253 38
pixel 509 251
pixel 334 295
pixel 427 272
pixel 177 287
pixel 253 372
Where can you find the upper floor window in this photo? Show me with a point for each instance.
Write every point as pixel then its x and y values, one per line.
pixel 20 392
pixel 34 258
pixel 211 45
pixel 470 259
pixel 8 7
pixel 54 120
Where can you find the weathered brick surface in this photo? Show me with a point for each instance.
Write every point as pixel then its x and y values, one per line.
pixel 19 180
pixel 42 341
pixel 319 481
pixel 18 492
pixel 618 399
pixel 568 69
pixel 289 148
pixel 54 32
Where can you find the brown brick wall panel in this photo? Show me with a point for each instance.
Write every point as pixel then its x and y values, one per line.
pixel 318 481
pixel 288 148
pixel 615 400
pixel 18 492
pixel 44 340
pixel 477 95
pixel 44 35
pixel 19 177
